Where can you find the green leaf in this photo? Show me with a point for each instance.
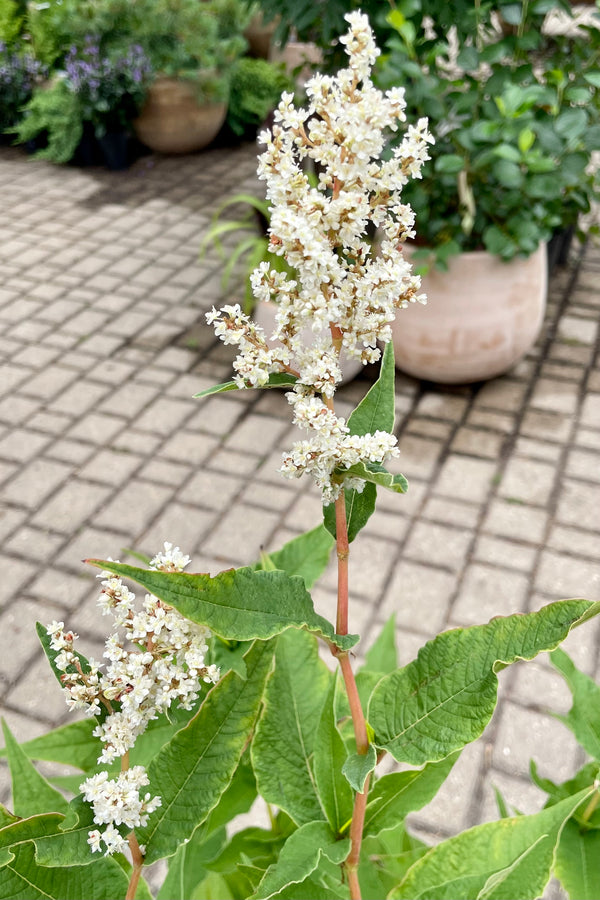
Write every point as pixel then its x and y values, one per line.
pixel 68 846
pixel 276 380
pixel 593 78
pixel 526 139
pixel 32 794
pixel 507 151
pixel 510 858
pixel 395 795
pixel 238 604
pixel 445 698
pixel 194 769
pixel 330 757
pixel 449 164
pixel 584 779
pixel 576 864
pixel 256 845
pixel 73 745
pixel 285 735
pixel 300 856
pixel 375 412
pixel 358 766
pixel 187 867
pixel 377 474
pixel 386 859
pixel 22 830
pixel 584 716
pixel 306 555
pixel 23 879
pixel 45 640
pixel 213 887
pixel 382 656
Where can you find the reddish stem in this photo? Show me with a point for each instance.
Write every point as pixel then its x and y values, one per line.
pixel 343 553
pixel 138 862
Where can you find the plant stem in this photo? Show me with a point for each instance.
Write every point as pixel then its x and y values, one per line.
pixel 358 717
pixel 138 862
pixel 591 807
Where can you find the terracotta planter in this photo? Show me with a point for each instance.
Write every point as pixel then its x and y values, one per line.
pixel 259 35
pixel 172 121
pixel 482 316
pixel 264 315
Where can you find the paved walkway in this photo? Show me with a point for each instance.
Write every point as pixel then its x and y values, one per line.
pixel 102 448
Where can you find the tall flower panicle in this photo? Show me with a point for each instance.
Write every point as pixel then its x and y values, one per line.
pixel 154 658
pixel 344 290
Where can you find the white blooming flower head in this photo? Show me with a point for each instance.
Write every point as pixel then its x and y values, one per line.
pixel 347 292
pixel 117 802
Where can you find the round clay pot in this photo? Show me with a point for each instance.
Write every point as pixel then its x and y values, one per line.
pixel 482 316
pixel 264 315
pixel 172 121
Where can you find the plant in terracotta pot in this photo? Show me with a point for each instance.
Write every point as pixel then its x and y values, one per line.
pixel 193 46
pixel 510 166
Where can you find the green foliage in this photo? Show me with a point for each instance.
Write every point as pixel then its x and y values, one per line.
pixel 517 126
pixel 284 744
pixel 256 88
pixel 238 604
pixel 184 771
pixel 375 412
pixel 584 716
pixel 510 858
pixel 54 112
pixel 445 698
pixel 276 380
pixel 11 22
pixel 306 555
pixel 31 792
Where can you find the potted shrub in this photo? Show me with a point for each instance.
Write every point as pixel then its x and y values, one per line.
pixel 193 47
pixel 510 166
pixel 94 96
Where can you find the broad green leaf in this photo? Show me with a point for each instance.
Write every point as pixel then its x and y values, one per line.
pixel 194 769
pixel 330 757
pixel 375 412
pixel 382 656
pixel 23 879
pixel 276 380
pixel 584 716
pixel 237 799
pixel 377 474
pixel 395 795
pixel 299 857
pixel 306 555
pixel 576 864
pixel 32 794
pixel 238 604
pixel 68 846
pixel 358 766
pixel 187 867
pixel 284 742
pixel 22 830
pixel 510 858
pixel 73 745
pixel 445 698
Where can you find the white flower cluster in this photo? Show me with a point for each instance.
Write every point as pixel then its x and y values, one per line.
pixel 155 657
pixel 345 290
pixel 117 802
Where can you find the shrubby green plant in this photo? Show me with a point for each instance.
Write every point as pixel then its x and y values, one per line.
pixel 256 86
pixel 518 113
pixel 213 691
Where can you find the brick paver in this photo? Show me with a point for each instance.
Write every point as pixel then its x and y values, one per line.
pixel 103 449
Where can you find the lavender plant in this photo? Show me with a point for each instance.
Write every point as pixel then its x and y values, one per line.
pixel 19 74
pixel 213 692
